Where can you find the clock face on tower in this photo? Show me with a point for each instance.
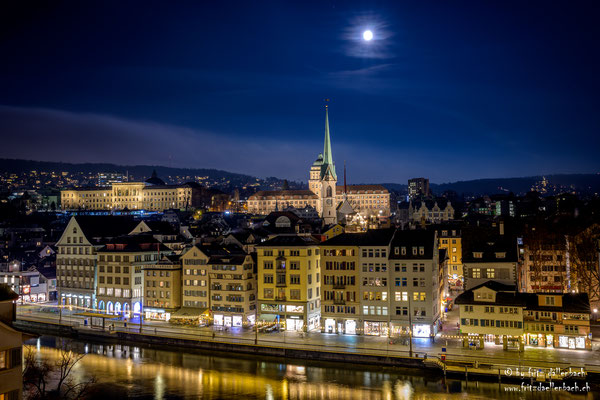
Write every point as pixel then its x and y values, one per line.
pixel 328 202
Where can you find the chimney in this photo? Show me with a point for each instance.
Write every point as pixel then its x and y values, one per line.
pixel 501 228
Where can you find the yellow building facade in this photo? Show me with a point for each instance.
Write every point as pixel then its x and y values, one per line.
pixel 450 240
pixel 162 288
pixel 289 277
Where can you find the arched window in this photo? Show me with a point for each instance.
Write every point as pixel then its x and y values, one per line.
pixel 329 191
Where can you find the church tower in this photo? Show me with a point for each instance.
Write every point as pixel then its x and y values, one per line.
pixel 327 180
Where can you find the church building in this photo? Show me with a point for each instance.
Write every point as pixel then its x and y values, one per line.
pixel 323 194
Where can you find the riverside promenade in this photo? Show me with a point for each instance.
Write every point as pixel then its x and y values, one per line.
pixel 492 362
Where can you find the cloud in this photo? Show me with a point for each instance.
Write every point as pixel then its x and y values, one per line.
pixel 53 135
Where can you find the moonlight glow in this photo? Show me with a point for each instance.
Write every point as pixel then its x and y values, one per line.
pixel 368 35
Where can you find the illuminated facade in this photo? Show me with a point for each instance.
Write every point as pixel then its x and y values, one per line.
pixel 162 288
pixel 450 239
pixel 289 282
pixel 340 290
pixel 76 259
pixel 151 195
pixel 120 276
pixel 232 289
pixel 496 313
pixel 415 303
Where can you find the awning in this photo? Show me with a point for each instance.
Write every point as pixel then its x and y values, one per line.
pixel 98 315
pixel 190 312
pixel 268 317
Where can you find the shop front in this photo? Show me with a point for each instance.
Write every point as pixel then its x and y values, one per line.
pixel 157 314
pixel 421 330
pixel 539 340
pixel 294 323
pixel 376 328
pixel 34 298
pixel 190 316
pixel 350 327
pixel 572 342
pixel 330 325
pixel 229 321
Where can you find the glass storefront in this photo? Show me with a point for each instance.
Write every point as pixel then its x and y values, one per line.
pixel 237 320
pixel 375 328
pixel 350 327
pixel 421 330
pixel 569 342
pixel 330 325
pixel 218 319
pixel 156 314
pixel 292 324
pixel 34 298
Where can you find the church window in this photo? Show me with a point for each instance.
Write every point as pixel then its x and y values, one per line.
pixel 329 194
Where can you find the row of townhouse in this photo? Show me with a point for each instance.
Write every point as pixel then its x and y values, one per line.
pixel 494 313
pixel 118 266
pixel 380 282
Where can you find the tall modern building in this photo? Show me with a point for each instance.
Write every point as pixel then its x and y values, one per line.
pixel 418 187
pixel 323 193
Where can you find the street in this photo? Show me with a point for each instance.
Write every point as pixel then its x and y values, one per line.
pixel 447 338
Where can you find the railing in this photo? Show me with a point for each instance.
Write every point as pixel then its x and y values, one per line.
pixel 339 286
pixel 339 301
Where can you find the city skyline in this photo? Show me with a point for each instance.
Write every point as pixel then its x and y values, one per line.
pixel 209 87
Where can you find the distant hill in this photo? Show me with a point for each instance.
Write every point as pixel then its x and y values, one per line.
pixel 586 184
pixel 226 181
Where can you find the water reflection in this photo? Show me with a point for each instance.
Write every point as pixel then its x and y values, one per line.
pixel 158 374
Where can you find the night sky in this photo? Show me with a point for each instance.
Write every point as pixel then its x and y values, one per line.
pixel 446 90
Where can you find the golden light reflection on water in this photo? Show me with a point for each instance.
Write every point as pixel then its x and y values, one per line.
pixel 151 376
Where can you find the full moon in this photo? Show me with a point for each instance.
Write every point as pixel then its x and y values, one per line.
pixel 367 35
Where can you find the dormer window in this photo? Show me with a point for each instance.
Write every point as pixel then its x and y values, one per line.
pixel 444 233
pixel 501 255
pixel 414 251
pixel 421 251
pixel 396 250
pixel 403 250
pixel 477 254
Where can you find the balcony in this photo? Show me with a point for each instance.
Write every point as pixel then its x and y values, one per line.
pixel 339 286
pixel 339 302
pixel 280 298
pixel 281 284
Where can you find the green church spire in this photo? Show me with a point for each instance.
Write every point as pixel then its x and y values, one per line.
pixel 327 156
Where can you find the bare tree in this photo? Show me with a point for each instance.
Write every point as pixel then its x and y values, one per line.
pixel 544 253
pixel 46 380
pixel 584 258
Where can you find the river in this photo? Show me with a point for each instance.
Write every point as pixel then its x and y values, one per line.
pixel 143 373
